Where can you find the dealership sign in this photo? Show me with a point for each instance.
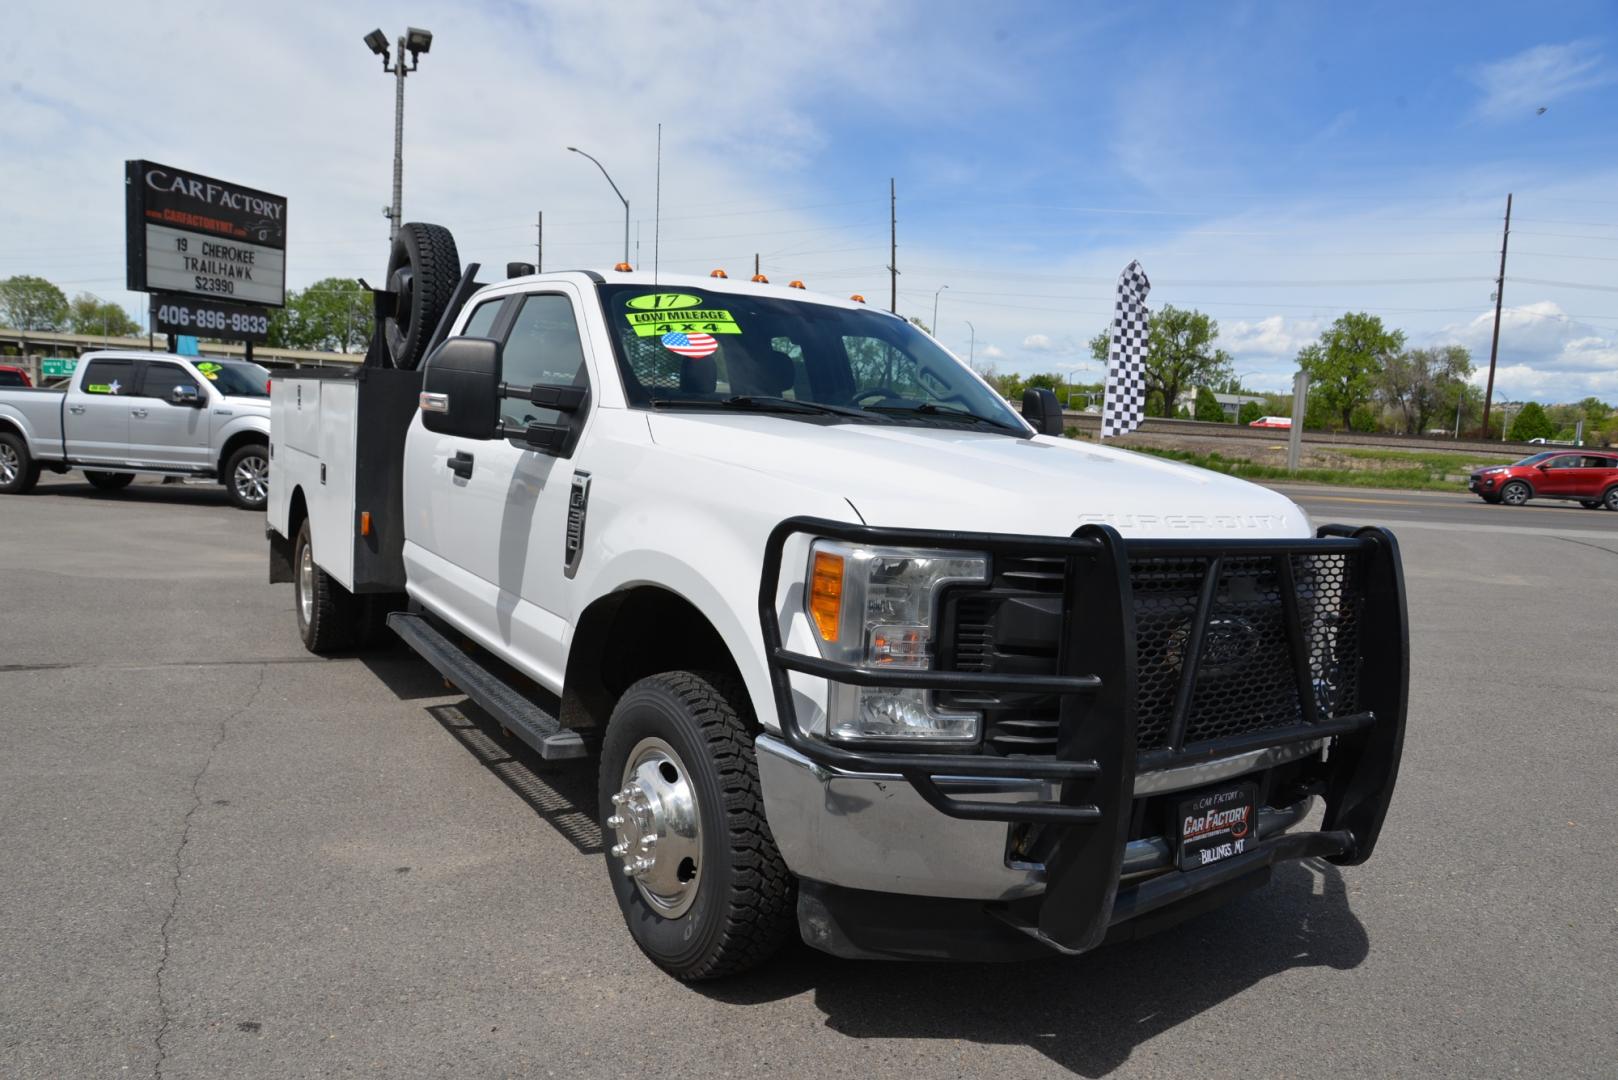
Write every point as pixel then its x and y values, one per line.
pixel 193 235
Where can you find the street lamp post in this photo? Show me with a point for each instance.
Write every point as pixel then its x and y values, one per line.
pixel 972 345
pixel 415 41
pixel 936 291
pixel 616 192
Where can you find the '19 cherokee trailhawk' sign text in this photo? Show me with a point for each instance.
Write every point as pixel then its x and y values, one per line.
pixel 194 235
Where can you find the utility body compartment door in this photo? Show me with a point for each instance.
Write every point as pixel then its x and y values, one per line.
pixel 487 519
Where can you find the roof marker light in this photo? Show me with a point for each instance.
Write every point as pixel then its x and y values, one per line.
pixel 718 274
pixel 623 268
pixel 857 298
pixel 761 279
pixel 795 284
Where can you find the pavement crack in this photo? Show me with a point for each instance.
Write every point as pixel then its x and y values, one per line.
pixel 1586 543
pixel 176 879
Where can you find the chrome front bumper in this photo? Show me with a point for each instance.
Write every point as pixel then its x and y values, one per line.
pixel 874 830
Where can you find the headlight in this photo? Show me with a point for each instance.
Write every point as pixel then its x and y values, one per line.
pixel 874 607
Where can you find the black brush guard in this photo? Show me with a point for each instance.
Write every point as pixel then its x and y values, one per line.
pixel 1096 759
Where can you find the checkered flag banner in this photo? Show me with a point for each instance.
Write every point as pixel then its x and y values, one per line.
pixel 1125 400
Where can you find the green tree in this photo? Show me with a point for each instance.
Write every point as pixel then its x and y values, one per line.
pixel 32 303
pixel 1346 364
pixel 333 314
pixel 1419 383
pixel 1531 423
pixel 1208 407
pixel 1250 412
pixel 89 314
pixel 1180 353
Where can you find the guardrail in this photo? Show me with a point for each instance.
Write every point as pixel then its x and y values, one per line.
pixel 1090 424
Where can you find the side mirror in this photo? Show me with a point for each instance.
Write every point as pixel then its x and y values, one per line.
pixel 1041 409
pixel 460 388
pixel 186 395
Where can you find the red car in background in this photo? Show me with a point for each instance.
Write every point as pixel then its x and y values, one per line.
pixel 1588 476
pixel 11 375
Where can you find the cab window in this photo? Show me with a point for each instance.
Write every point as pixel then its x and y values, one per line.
pixel 482 319
pixel 542 348
pixel 161 379
pixel 116 377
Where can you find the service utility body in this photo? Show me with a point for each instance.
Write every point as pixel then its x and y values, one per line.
pixel 128 413
pixel 860 652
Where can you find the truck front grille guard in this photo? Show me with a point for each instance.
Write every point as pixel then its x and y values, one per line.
pixel 1096 755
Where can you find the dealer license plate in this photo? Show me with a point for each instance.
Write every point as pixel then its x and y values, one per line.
pixel 1217 825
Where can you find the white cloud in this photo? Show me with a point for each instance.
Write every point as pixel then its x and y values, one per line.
pixel 992 352
pixel 1545 354
pixel 1537 76
pixel 1065 345
pixel 1274 336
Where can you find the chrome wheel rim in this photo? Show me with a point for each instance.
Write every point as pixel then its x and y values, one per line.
pixel 252 478
pixel 10 463
pixel 1514 495
pixel 306 585
pixel 658 828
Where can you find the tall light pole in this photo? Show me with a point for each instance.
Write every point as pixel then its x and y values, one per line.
pixel 415 41
pixel 972 346
pixel 616 192
pixel 936 291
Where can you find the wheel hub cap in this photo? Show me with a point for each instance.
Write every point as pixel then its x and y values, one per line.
pixel 306 585
pixel 657 829
pixel 253 478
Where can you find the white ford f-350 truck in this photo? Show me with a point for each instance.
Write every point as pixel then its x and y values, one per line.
pixel 860 650
pixel 125 413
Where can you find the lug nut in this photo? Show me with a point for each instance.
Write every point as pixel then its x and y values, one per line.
pixel 616 821
pixel 620 850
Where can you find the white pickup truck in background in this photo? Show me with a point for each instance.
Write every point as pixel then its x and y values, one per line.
pixel 859 650
pixel 129 413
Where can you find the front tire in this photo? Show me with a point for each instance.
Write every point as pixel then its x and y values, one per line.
pixel 325 609
pixel 1515 493
pixel 247 476
pixel 702 887
pixel 19 472
pixel 109 481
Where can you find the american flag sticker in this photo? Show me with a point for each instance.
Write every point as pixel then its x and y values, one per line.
pixel 694 346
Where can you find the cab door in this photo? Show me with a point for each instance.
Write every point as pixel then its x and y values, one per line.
pixel 96 425
pixel 1560 476
pixel 163 432
pixel 499 508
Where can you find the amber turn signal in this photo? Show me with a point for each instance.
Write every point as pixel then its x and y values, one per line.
pixel 826 594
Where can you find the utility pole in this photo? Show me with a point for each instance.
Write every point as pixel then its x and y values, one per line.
pixel 893 244
pixel 1499 299
pixel 972 345
pixel 415 41
pixel 539 243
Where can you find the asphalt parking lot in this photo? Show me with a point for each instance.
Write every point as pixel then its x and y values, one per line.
pixel 224 857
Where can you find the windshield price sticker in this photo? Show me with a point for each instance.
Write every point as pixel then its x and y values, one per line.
pixel 1217 825
pixel 664 301
pixel 700 321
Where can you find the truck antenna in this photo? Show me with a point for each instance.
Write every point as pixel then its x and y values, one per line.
pixel 657 212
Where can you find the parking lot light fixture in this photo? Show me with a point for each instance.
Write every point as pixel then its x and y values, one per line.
pixel 415 41
pixel 615 191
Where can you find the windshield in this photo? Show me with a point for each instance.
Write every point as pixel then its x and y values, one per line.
pixel 236 378
pixel 1535 459
pixel 682 347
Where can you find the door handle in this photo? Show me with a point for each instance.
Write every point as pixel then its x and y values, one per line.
pixel 461 464
pixel 76 410
pixel 137 412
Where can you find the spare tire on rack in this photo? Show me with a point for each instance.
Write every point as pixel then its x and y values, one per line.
pixel 423 270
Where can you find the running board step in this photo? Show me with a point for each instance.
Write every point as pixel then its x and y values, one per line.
pixel 513 710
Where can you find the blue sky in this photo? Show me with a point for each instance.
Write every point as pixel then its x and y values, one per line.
pixel 1273 164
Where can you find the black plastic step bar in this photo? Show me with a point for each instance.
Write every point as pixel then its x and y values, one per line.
pixel 515 712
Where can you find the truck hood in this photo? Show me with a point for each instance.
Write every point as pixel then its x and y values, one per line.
pixel 934 478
